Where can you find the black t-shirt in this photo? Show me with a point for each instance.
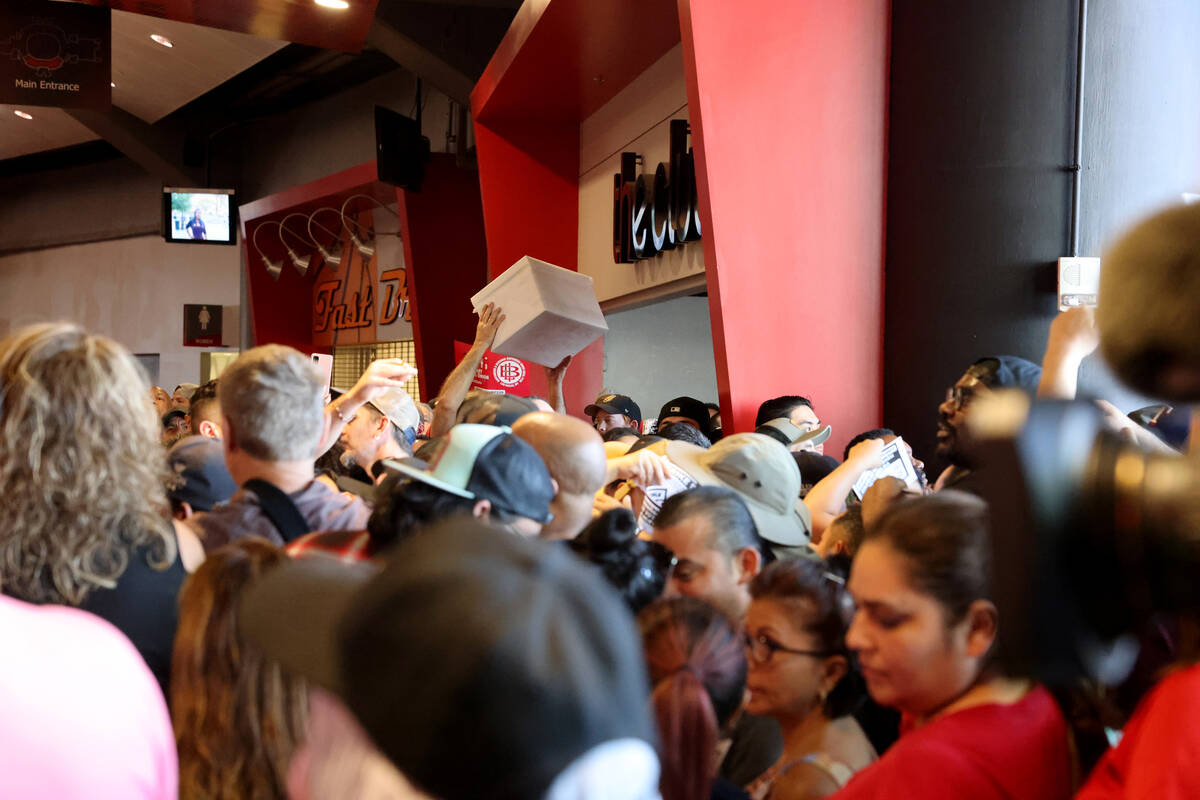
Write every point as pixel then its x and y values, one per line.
pixel 724 790
pixel 757 744
pixel 145 607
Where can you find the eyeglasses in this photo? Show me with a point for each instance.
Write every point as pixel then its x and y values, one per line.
pixel 960 396
pixel 762 649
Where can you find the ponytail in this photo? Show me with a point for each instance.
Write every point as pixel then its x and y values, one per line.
pixel 687 725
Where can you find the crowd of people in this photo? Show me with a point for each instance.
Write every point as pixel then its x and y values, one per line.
pixel 252 589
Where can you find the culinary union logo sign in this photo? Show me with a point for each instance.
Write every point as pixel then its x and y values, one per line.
pixel 509 372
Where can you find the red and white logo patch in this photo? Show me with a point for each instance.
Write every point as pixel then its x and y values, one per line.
pixel 509 372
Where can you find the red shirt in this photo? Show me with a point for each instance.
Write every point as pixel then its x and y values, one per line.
pixel 989 752
pixel 1159 755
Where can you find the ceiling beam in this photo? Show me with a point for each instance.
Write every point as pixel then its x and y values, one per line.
pixel 414 57
pixel 157 149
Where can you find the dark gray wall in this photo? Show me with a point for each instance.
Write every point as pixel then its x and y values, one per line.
pixel 981 127
pixel 108 200
pixel 322 138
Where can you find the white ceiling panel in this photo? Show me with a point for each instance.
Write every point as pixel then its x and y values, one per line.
pixel 49 129
pixel 152 80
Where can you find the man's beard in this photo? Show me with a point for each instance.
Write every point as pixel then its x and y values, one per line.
pixel 948 446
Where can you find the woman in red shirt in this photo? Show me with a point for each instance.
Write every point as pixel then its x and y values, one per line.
pixel 923 633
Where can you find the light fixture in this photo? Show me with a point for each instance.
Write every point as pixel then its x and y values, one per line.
pixel 332 259
pixel 274 268
pixel 299 262
pixel 23 114
pixel 367 247
pixel 340 5
pixel 112 84
pixel 160 39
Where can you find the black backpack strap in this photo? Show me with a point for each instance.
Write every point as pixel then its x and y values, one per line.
pixel 279 508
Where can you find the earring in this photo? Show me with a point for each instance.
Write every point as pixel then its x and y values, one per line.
pixel 822 695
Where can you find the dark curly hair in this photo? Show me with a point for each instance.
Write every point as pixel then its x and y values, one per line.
pixel 635 567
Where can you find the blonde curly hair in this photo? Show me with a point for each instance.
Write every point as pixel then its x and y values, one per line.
pixel 82 472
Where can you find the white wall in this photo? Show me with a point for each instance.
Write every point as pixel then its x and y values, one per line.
pixel 132 290
pixel 636 120
pixel 659 352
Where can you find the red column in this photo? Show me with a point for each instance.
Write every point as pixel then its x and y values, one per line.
pixel 529 180
pixel 446 259
pixel 788 111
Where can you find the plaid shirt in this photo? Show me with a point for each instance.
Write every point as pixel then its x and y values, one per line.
pixel 349 547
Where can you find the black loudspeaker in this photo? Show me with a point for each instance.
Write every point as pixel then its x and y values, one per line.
pixel 401 152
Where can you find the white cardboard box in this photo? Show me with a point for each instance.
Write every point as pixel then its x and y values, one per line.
pixel 550 312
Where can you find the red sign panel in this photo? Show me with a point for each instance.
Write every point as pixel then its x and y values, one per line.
pixel 497 372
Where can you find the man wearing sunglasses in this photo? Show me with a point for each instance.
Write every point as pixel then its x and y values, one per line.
pixel 982 377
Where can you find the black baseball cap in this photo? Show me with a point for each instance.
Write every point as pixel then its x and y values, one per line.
pixel 615 404
pixel 172 415
pixel 467 641
pixel 687 407
pixel 199 475
pixel 485 462
pixel 494 408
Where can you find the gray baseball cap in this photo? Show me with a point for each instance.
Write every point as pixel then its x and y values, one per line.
pixel 782 429
pixel 399 408
pixel 763 472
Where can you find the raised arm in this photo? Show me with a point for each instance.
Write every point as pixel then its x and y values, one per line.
pixel 1073 337
pixel 381 375
pixel 827 498
pixel 458 382
pixel 554 385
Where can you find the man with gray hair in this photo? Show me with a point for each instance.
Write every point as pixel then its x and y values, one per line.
pixel 272 422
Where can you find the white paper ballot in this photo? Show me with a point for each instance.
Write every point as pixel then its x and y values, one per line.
pixel 679 481
pixel 896 464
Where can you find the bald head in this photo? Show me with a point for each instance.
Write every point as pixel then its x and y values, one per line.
pixel 574 455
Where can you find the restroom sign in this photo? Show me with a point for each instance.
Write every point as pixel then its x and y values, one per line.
pixel 202 325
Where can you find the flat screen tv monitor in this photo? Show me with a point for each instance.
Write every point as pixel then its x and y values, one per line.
pixel 199 216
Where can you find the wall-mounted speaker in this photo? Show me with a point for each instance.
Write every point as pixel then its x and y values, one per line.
pixel 401 152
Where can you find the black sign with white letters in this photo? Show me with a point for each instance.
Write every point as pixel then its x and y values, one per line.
pixel 659 212
pixel 55 54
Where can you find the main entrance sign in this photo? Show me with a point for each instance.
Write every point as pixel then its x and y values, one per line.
pixel 653 214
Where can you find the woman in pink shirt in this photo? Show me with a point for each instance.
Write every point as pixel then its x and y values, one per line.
pixel 81 717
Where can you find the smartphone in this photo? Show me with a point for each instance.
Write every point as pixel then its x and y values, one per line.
pixel 325 364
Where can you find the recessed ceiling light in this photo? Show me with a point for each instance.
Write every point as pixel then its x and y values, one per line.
pixel 23 114
pixel 340 5
pixel 164 41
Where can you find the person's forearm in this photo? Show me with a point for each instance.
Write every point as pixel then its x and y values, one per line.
pixel 1060 375
pixel 337 414
pixel 454 391
pixel 554 395
pixel 827 498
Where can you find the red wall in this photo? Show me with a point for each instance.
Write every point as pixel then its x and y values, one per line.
pixel 529 179
pixel 446 257
pixel 788 110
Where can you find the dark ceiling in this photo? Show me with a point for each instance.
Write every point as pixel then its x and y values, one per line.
pixel 447 43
